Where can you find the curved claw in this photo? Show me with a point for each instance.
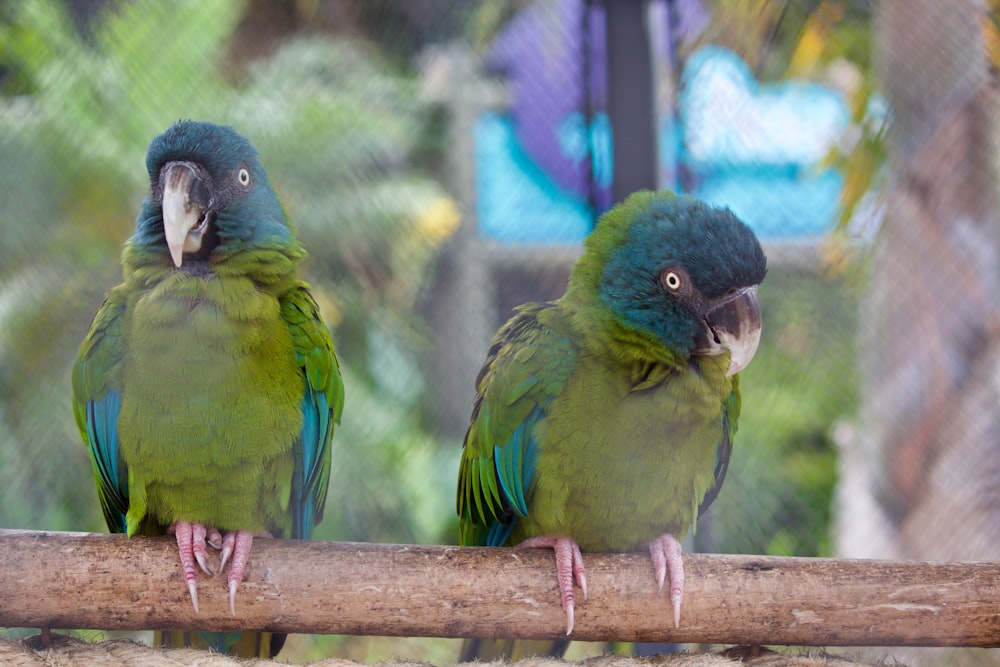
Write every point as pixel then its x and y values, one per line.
pixel 193 591
pixel 234 585
pixel 198 532
pixel 226 547
pixel 214 539
pixel 569 570
pixel 666 554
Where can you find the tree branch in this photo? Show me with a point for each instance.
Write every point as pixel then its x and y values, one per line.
pixel 109 582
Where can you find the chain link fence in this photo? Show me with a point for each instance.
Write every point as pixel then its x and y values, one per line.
pixel 442 162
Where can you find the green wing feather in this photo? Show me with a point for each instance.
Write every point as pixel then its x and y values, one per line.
pixel 322 406
pixel 527 366
pixel 730 424
pixel 96 400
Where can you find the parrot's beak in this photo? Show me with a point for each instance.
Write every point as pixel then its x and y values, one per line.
pixel 732 324
pixel 186 212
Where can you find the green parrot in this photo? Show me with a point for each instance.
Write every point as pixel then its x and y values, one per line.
pixel 603 421
pixel 207 388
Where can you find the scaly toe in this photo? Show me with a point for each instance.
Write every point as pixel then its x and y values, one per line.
pixel 666 554
pixel 239 543
pixel 569 570
pixel 183 532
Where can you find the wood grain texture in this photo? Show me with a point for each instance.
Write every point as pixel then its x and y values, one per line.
pixel 109 582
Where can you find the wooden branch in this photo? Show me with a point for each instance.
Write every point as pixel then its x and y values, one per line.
pixel 78 580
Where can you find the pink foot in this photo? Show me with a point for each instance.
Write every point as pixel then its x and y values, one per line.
pixel 666 553
pixel 237 544
pixel 191 547
pixel 569 569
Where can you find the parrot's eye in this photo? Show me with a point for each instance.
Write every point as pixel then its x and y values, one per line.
pixel 672 280
pixel 244 176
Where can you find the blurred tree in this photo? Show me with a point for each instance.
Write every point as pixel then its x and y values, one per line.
pixel 930 343
pixel 920 478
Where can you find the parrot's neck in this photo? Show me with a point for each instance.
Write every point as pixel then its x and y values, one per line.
pixel 641 353
pixel 272 269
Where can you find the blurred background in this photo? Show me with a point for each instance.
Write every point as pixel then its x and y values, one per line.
pixel 443 160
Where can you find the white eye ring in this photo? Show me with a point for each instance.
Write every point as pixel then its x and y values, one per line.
pixel 672 280
pixel 244 176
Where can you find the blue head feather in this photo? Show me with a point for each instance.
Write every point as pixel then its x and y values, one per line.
pixel 712 246
pixel 245 217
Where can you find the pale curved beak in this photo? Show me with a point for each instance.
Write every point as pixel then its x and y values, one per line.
pixel 732 324
pixel 185 209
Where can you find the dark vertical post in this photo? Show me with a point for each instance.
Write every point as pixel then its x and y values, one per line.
pixel 630 98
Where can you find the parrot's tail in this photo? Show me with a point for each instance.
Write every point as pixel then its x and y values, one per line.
pixel 238 644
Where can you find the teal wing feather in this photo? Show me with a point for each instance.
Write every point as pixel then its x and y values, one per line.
pixel 322 406
pixel 526 368
pixel 96 403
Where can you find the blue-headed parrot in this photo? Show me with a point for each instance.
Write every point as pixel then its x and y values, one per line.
pixel 207 389
pixel 603 421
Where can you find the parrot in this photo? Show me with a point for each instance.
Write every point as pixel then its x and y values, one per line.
pixel 207 389
pixel 603 421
